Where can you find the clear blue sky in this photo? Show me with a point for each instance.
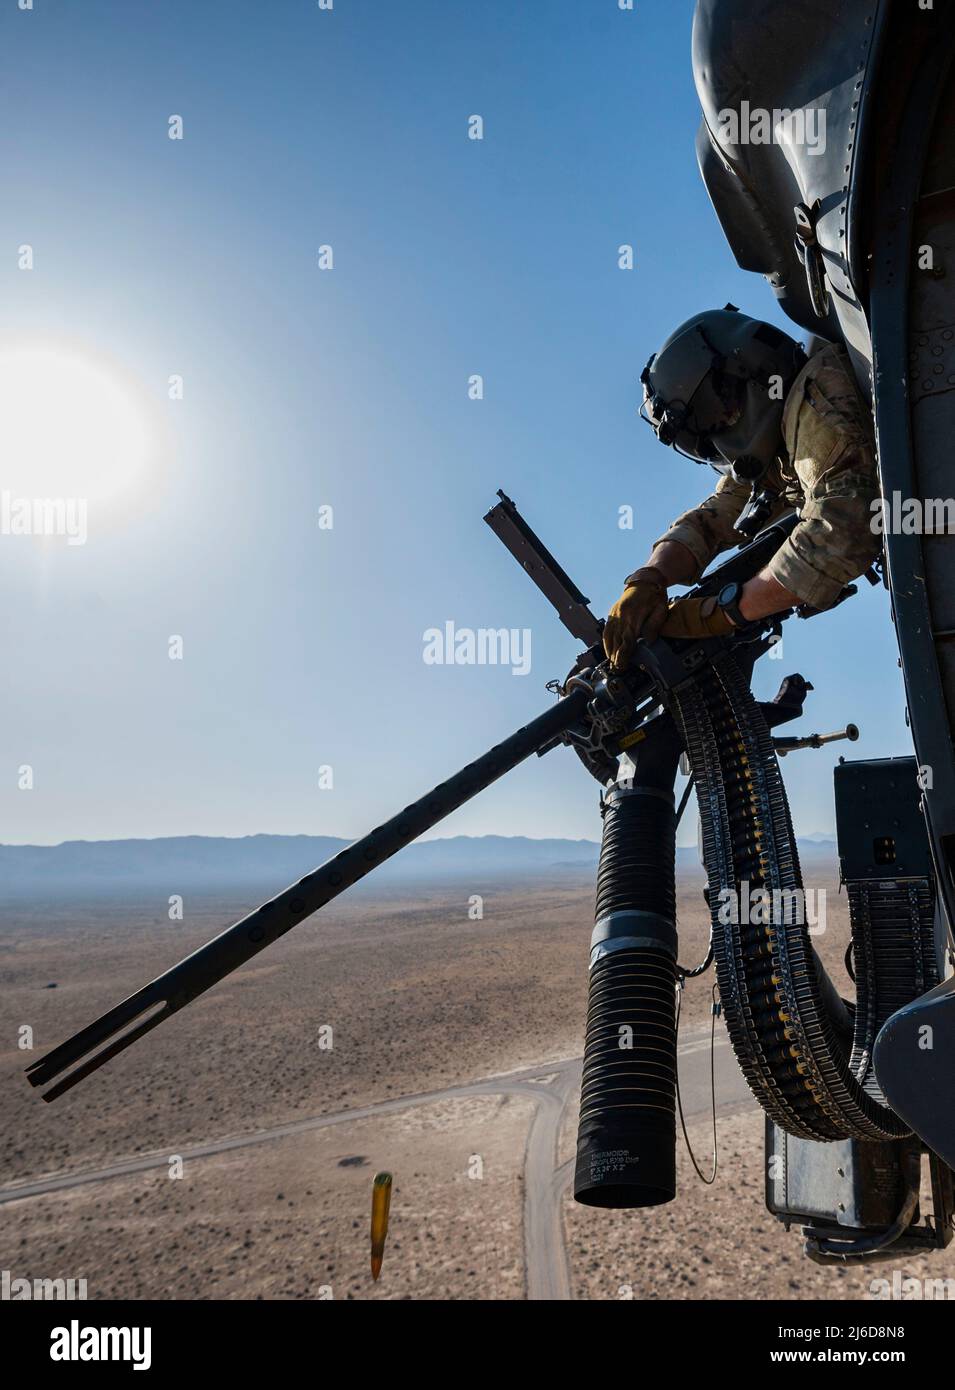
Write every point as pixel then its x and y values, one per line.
pixel 303 647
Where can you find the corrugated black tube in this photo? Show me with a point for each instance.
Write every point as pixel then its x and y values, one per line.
pixel 626 1142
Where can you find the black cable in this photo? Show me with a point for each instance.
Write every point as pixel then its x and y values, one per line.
pixel 707 960
pixel 679 1101
pixel 685 798
pixel 703 966
pixel 849 959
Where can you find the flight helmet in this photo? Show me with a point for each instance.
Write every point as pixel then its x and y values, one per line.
pixel 716 389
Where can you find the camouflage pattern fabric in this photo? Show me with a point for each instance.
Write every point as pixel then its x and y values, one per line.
pixel 828 473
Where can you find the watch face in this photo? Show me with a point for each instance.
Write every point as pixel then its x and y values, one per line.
pixel 729 594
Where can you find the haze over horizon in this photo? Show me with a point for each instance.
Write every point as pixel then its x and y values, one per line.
pixel 271 835
pixel 260 865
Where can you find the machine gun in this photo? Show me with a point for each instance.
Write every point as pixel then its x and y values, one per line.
pixel 606 708
pixel 806 1062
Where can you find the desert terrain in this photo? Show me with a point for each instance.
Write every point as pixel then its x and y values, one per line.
pixel 230 1153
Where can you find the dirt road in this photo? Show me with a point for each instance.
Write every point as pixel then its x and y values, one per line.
pixel 553 1086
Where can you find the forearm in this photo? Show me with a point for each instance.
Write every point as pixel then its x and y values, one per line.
pixel 763 596
pixel 692 618
pixel 674 562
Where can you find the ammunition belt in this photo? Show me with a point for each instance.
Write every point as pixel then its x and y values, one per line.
pixel 791 1055
pixel 893 947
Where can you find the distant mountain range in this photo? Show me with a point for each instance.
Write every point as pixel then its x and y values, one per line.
pixel 266 863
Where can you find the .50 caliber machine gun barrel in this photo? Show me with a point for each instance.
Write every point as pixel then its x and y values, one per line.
pixel 224 953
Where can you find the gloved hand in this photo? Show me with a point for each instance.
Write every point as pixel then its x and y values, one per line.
pixel 639 612
pixel 696 617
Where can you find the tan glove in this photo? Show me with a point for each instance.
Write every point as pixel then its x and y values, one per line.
pixel 639 612
pixel 696 617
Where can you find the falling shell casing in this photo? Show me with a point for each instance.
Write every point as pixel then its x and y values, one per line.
pixel 380 1207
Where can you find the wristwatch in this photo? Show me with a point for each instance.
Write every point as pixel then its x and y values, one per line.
pixel 728 599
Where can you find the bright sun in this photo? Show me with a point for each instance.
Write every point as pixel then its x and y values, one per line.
pixel 69 427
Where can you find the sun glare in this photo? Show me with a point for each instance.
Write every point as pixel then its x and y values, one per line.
pixel 70 427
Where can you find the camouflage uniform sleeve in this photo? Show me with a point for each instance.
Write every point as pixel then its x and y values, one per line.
pixel 709 528
pixel 828 436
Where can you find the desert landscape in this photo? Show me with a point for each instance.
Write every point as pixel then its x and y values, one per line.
pixel 230 1153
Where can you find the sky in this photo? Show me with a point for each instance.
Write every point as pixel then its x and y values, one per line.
pixel 212 656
